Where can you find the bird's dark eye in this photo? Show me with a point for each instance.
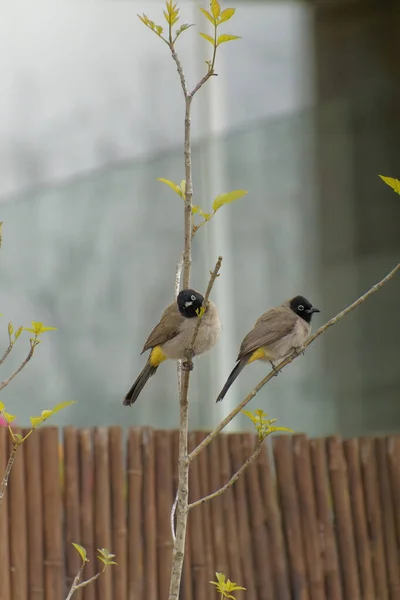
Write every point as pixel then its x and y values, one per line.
pixel 300 307
pixel 193 298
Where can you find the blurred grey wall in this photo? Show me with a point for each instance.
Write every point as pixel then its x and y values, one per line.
pixel 92 115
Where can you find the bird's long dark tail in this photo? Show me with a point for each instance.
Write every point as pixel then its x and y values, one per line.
pixel 234 373
pixel 139 384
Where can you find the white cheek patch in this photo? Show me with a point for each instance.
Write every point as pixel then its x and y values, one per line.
pixel 188 304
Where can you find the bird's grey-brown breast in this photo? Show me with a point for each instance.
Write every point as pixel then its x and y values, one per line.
pixel 207 336
pixel 287 344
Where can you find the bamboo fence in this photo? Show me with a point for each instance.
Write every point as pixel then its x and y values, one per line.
pixel 311 519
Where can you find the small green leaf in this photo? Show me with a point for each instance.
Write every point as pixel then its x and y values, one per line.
pixel 172 185
pixel 9 418
pixel 182 187
pixel 195 209
pixel 62 405
pixel 82 551
pixel 106 557
pixel 226 15
pixel 224 37
pixel 393 183
pixel 205 215
pixel 208 15
pixel 207 37
pixel 2 406
pixel 38 328
pixel 227 198
pixel 274 429
pixel 250 415
pixel 215 8
pixel 36 421
pixel 18 333
pixel 181 29
pixel 144 19
pixel 172 13
pixel 159 29
pixel 232 587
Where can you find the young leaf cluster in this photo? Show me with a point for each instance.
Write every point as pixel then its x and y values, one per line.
pixel 263 425
pixel 103 555
pixel 171 15
pixel 12 334
pixel 37 329
pixel 215 15
pixel 35 421
pixel 216 18
pixel 219 201
pixel 225 587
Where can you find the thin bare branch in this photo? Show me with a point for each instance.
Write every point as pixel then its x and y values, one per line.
pixel 181 504
pixel 178 276
pixel 187 253
pixel 214 275
pixel 87 582
pixel 5 383
pixel 76 585
pixel 288 360
pixel 4 481
pixel 232 480
pixel 210 72
pixel 183 464
pixel 200 84
pixel 6 353
pixel 179 69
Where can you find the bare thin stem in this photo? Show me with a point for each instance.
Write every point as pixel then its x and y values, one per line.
pixel 183 464
pixel 178 277
pixel 187 253
pixel 182 510
pixel 201 83
pixel 210 72
pixel 288 360
pixel 76 585
pixel 179 69
pixel 214 275
pixel 232 480
pixel 5 383
pixel 6 475
pixel 181 505
pixel 6 353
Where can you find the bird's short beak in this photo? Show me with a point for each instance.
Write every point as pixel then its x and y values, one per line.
pixel 313 310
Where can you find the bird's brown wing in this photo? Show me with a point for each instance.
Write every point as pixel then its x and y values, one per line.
pixel 269 328
pixel 166 329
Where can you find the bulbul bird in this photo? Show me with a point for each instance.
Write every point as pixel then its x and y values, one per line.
pixel 173 335
pixel 276 334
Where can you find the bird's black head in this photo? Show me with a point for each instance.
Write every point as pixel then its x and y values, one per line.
pixel 303 308
pixel 189 301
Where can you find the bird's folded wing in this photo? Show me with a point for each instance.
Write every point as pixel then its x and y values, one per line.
pixel 168 327
pixel 269 329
